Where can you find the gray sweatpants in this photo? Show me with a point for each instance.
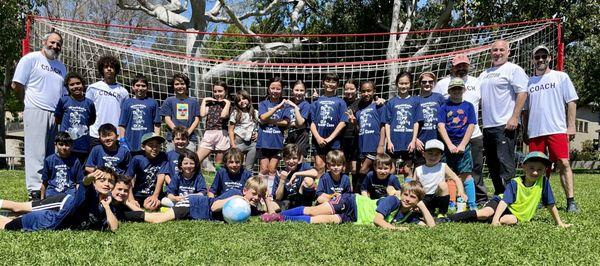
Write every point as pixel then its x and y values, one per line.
pixel 39 143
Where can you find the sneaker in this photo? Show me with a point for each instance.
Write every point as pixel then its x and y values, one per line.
pixel 35 195
pixel 452 206
pixel 572 207
pixel 271 217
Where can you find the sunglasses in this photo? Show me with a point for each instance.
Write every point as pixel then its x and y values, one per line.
pixel 427 82
pixel 538 57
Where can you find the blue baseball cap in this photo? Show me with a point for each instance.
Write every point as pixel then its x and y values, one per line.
pixel 539 157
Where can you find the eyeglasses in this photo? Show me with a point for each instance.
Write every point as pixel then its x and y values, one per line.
pixel 537 57
pixel 424 82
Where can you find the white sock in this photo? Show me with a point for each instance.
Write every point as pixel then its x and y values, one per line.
pixel 1 201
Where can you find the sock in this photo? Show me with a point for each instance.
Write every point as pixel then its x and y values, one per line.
pixel 218 166
pixel 467 216
pixel 470 191
pixel 443 202
pixel 569 201
pixel 270 182
pixel 1 201
pixel 298 211
pixel 301 218
pixel 452 190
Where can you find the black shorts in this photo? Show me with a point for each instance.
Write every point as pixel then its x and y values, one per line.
pixel 53 203
pixel 350 148
pixel 345 207
pixel 404 155
pixel 182 213
pixel 262 153
pixel 300 138
pixel 14 225
pixel 493 203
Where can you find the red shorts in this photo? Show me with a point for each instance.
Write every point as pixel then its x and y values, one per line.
pixel 557 145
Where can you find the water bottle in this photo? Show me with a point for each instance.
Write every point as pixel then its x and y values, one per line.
pixel 461 205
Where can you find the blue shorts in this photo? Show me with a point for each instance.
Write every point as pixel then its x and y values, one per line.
pixel 461 163
pixel 199 207
pixel 345 207
pixel 49 219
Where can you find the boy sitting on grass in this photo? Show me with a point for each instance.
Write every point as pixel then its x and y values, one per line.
pixel 87 208
pixel 180 143
pixel 110 154
pixel 62 170
pixel 295 185
pixel 334 182
pixel 359 209
pixel 232 176
pixel 380 183
pixel 205 208
pixel 521 197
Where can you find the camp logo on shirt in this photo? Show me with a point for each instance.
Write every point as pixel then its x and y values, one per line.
pixel 110 162
pixel 403 118
pixel 182 111
pixel 326 112
pixel 76 130
pixel 365 121
pixel 138 117
pixel 61 177
pixel 150 178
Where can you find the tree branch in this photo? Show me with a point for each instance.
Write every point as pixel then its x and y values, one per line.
pixel 159 12
pixel 442 21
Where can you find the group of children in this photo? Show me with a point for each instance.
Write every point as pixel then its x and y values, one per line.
pixel 130 178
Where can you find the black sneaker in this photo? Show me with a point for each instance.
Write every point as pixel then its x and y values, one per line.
pixel 35 195
pixel 572 207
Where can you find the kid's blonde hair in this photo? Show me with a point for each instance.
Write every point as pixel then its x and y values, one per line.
pixel 383 159
pixel 414 187
pixel 258 185
pixel 335 157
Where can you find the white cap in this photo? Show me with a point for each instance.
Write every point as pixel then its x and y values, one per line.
pixel 434 144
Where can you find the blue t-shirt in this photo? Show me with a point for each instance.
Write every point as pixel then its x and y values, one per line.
pixel 145 173
pixel 304 107
pixel 326 113
pixel 376 187
pixel 401 114
pixel 182 113
pixel 225 181
pixel 173 161
pixel 510 192
pixel 76 117
pixel 180 186
pixel 389 204
pixel 270 136
pixel 457 117
pixel 117 160
pixel 429 108
pixel 62 174
pixel 369 126
pixel 138 117
pixel 295 187
pixel 329 186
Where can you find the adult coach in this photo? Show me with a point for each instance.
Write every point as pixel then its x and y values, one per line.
pixel 503 95
pixel 549 91
pixel 460 68
pixel 38 81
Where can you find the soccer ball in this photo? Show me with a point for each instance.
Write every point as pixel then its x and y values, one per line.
pixel 236 210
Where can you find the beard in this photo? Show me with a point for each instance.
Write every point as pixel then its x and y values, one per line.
pixel 462 73
pixel 50 53
pixel 541 67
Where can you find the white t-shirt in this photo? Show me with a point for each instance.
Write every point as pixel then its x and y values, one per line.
pixel 430 177
pixel 43 80
pixel 108 100
pixel 472 94
pixel 499 88
pixel 548 95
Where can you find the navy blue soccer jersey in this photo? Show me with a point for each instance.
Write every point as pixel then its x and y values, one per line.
pixel 181 186
pixel 376 187
pixel 138 117
pixel 76 116
pixel 369 120
pixel 62 174
pixel 329 186
pixel 326 114
pixel 429 108
pixel 304 107
pixel 401 114
pixel 182 112
pixel 224 181
pixel 270 136
pixel 294 188
pixel 117 160
pixel 456 118
pixel 386 206
pixel 145 173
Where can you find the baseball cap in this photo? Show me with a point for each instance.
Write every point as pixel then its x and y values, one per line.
pixel 539 157
pixel 151 136
pixel 434 144
pixel 456 82
pixel 541 47
pixel 460 58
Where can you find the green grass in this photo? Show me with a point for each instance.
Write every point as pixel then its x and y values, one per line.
pixel 192 242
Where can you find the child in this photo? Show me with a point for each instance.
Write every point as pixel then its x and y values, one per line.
pixel 429 103
pixel 148 171
pixel 110 153
pixel 243 128
pixel 216 111
pixel 87 208
pixel 368 117
pixel 298 130
pixel 381 183
pixel 233 176
pixel 180 143
pixel 205 208
pixel 328 118
pixel 350 135
pixel 75 113
pixel 62 171
pixel 359 209
pixel 181 110
pixel 401 117
pixel 334 182
pixel 139 115
pixel 273 119
pixel 185 182
pixel 107 95
pixel 521 198
pixel 296 184
pixel 456 122
pixel 433 175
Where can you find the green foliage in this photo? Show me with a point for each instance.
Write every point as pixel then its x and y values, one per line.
pixel 587 152
pixel 193 242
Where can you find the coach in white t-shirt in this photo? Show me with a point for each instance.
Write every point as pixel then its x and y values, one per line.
pixel 38 81
pixel 547 127
pixel 107 95
pixel 503 95
pixel 460 68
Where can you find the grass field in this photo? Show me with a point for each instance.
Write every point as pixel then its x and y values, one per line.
pixel 191 242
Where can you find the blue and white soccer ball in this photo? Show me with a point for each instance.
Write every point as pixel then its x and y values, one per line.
pixel 236 210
